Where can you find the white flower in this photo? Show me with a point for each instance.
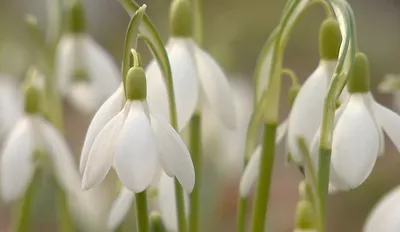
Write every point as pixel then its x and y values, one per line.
pixel 385 216
pixel 86 73
pixel 10 104
pixel 165 201
pixel 197 77
pixel 17 163
pixel 134 142
pixel 306 114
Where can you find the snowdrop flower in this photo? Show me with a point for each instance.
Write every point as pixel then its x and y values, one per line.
pixel 134 142
pixel 306 114
pixel 165 202
pixel 386 214
pixel 10 104
pixel 196 75
pixel 358 134
pixel 86 73
pixel 31 133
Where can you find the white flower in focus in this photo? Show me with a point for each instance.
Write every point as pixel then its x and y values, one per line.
pixel 385 216
pixel 18 162
pixel 10 104
pixel 165 202
pixel 196 76
pixel 134 142
pixel 86 73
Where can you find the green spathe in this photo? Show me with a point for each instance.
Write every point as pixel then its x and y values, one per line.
pixel 32 99
pixel 76 18
pixel 181 18
pixel 135 87
pixel 359 78
pixel 329 39
pixel 305 215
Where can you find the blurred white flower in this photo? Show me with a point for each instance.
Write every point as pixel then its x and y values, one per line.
pixel 17 163
pixel 196 75
pixel 86 73
pixel 385 216
pixel 165 202
pixel 134 142
pixel 10 104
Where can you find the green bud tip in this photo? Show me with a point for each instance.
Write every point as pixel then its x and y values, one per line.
pixel 181 18
pixel 76 18
pixel 359 77
pixel 294 90
pixel 135 86
pixel 305 215
pixel 156 224
pixel 32 99
pixel 329 39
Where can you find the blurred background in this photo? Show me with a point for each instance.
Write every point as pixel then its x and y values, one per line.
pixel 234 33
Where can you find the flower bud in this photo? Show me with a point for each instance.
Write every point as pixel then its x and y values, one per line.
pixel 76 18
pixel 305 215
pixel 359 78
pixel 181 18
pixel 156 224
pixel 135 87
pixel 329 40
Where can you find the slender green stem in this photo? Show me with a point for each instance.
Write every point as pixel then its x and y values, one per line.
pixel 242 214
pixel 180 206
pixel 195 151
pixel 323 184
pixel 260 204
pixel 141 212
pixel 65 221
pixel 22 223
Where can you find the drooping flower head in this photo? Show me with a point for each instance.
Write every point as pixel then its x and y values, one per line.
pixel 134 141
pixel 86 73
pixel 23 150
pixel 196 75
pixel 306 114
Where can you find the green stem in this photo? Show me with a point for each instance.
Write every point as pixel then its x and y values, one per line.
pixel 198 21
pixel 22 224
pixel 242 214
pixel 180 207
pixel 141 212
pixel 323 184
pixel 65 221
pixel 260 205
pixel 195 151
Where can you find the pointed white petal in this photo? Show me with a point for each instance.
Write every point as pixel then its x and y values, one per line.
pixel 101 154
pixel 389 121
pixel 120 208
pixel 104 74
pixel 173 153
pixel 167 202
pixel 355 143
pixel 107 111
pixel 136 152
pixel 250 173
pixel 61 156
pixel 17 164
pixel 216 87
pixel 306 114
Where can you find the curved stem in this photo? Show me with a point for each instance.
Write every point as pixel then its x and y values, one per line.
pixel 326 6
pixel 291 74
pixel 141 212
pixel 195 151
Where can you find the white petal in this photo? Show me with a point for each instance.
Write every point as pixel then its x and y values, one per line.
pixel 107 111
pixel 101 154
pixel 216 87
pixel 17 164
pixel 306 114
pixel 120 208
pixel 61 156
pixel 84 97
pixel 355 144
pixel 65 65
pixel 167 202
pixel 250 173
pixel 389 121
pixel 185 78
pixel 136 152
